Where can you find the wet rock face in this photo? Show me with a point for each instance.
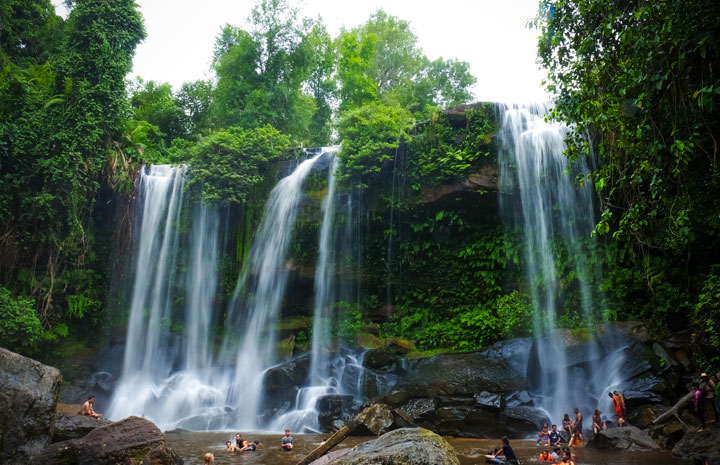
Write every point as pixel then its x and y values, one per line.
pixel 700 447
pixel 625 438
pixel 283 381
pixel 28 398
pixel 404 446
pixel 132 440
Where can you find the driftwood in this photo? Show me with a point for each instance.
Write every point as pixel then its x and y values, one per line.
pixel 323 448
pixel 674 410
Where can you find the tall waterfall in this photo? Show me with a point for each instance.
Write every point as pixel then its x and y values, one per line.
pixel 261 288
pixel 151 384
pixel 539 196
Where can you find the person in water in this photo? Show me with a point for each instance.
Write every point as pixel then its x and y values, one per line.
pixel 567 424
pixel 506 451
pixel 617 406
pixel 252 445
pixel 597 423
pixel 208 458
pixel 544 436
pixel 87 408
pixel 545 456
pixel 556 453
pixel 554 436
pixel 240 443
pixel 287 441
pixel 230 447
pixel 576 440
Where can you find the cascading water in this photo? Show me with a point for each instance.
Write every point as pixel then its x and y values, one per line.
pixel 150 384
pixel 263 285
pixel 539 196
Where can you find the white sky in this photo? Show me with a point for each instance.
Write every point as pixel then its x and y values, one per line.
pixel 489 34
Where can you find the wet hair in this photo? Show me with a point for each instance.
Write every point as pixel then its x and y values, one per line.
pixel 597 412
pixel 610 394
pixel 91 397
pixel 227 442
pixel 566 416
pixel 238 434
pixel 255 441
pixel 208 457
pixel 556 448
pixel 287 430
pixel 576 410
pixel 505 440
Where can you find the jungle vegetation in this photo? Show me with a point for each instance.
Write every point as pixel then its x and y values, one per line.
pixel 638 83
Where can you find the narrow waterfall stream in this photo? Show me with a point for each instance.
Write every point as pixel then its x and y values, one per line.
pixel 540 197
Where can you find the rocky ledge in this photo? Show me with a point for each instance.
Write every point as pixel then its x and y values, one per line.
pixel 132 440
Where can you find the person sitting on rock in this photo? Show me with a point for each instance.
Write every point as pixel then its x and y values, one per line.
pixel 576 440
pixel 87 408
pixel 252 445
pixel 506 451
pixel 230 447
pixel 287 441
pixel 597 423
pixel 567 424
pixel 554 436
pixel 544 435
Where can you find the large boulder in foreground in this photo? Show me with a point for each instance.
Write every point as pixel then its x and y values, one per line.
pixel 133 440
pixel 406 446
pixel 28 396
pixel 700 446
pixel 75 426
pixel 625 438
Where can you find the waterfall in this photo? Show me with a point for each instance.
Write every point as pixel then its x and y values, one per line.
pixel 258 295
pixel 324 285
pixel 150 383
pixel 539 197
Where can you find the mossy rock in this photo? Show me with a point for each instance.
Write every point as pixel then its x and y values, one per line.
pixel 369 341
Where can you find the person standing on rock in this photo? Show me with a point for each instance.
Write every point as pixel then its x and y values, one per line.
pixel 622 402
pixel 87 408
pixel 709 390
pixel 699 408
pixel 597 422
pixel 577 426
pixel 617 406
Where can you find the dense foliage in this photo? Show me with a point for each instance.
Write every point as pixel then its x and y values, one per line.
pixel 640 83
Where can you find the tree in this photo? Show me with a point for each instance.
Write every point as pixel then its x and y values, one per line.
pixel 156 104
pixel 277 73
pixel 640 85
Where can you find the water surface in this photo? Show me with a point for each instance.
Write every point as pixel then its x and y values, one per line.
pixel 192 446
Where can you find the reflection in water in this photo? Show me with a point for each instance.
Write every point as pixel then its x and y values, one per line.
pixel 192 446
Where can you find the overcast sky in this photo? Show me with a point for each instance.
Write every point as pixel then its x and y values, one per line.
pixel 489 34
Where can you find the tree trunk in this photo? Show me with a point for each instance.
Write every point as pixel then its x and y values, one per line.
pixel 674 409
pixel 323 448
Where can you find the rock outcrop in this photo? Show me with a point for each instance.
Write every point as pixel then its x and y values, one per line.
pixel 625 438
pixel 75 426
pixel 28 397
pixel 700 447
pixel 416 446
pixel 133 440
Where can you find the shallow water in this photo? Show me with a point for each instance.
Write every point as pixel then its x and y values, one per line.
pixel 192 446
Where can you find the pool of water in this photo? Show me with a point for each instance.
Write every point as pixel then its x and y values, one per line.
pixel 192 446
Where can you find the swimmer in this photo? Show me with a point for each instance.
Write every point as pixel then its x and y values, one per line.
pixel 230 447
pixel 287 441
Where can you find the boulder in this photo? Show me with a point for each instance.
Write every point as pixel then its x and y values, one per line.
pixel 405 446
pixel 75 426
pixel 133 440
pixel 380 360
pixel 625 438
pixel 28 397
pixel 373 420
pixel 700 446
pixel 281 382
pixel 331 408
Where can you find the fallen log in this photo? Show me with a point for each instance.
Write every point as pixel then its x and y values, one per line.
pixel 323 448
pixel 674 409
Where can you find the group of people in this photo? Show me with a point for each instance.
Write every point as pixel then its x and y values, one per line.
pixel 572 431
pixel 706 400
pixel 242 445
